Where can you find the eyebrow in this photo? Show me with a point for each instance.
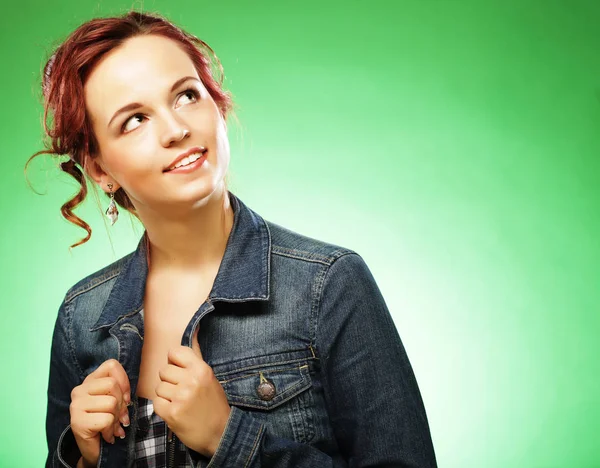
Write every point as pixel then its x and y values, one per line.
pixel 137 105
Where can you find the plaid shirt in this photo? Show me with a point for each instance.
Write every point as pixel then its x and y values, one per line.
pixel 151 440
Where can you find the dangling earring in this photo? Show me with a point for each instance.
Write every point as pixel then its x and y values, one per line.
pixel 112 212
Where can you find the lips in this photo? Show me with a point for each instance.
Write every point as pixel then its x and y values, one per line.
pixel 195 150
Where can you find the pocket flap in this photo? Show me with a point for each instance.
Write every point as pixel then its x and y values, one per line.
pixel 288 380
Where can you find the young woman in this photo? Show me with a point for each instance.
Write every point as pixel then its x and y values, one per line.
pixel 223 340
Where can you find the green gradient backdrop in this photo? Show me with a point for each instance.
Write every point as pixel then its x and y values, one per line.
pixel 453 144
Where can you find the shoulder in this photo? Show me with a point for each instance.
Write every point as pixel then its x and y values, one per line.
pixel 98 280
pixel 79 310
pixel 329 269
pixel 296 246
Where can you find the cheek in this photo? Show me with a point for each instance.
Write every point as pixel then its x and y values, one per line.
pixel 222 138
pixel 134 169
pixel 221 154
pixel 134 157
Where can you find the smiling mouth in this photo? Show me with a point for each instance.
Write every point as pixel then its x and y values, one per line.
pixel 192 158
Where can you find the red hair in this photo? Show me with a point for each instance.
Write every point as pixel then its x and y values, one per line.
pixel 65 73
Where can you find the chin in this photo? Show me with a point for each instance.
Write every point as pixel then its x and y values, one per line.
pixel 198 194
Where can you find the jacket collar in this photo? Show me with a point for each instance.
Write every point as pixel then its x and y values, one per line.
pixel 244 273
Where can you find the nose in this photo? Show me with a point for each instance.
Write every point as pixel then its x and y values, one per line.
pixel 175 130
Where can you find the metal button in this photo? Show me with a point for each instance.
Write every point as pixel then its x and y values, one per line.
pixel 266 389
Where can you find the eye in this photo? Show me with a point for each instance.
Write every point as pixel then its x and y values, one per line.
pixel 191 94
pixel 129 123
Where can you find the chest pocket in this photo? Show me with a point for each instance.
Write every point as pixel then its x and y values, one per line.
pixel 277 392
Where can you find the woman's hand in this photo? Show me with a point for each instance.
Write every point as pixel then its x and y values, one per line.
pixel 191 400
pixel 99 405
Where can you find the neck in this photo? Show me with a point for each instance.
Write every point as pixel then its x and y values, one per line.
pixel 193 242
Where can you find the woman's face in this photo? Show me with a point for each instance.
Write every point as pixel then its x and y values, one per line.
pixel 165 115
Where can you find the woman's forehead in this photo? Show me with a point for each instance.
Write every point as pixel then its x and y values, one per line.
pixel 137 70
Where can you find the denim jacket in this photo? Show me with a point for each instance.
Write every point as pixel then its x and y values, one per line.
pixel 303 314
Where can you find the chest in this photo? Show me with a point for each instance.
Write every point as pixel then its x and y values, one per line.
pixel 168 309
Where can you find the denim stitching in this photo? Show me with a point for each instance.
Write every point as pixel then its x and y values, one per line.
pixel 311 256
pixel 269 248
pixel 301 386
pixel 258 373
pixel 70 341
pixel 240 299
pixel 222 439
pixel 317 289
pixel 295 414
pixel 119 318
pixel 302 415
pixel 322 284
pixel 258 436
pixel 130 327
pixel 60 458
pixel 92 283
pixel 307 415
pixel 264 365
pixel 297 255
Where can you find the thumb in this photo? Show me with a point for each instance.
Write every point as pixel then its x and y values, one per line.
pixel 196 344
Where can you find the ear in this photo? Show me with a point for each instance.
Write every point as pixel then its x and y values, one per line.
pixel 93 167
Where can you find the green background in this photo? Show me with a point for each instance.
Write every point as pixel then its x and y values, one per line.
pixel 454 144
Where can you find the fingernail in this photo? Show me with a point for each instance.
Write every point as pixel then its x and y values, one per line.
pixel 127 398
pixel 112 440
pixel 123 431
pixel 125 420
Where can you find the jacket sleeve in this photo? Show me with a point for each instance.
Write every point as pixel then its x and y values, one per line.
pixel 372 397
pixel 63 377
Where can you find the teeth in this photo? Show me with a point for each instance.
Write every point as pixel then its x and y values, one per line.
pixel 187 160
pixel 183 162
